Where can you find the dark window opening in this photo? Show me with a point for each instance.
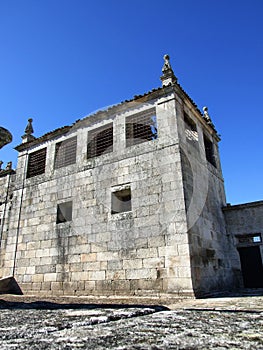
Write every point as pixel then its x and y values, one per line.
pixel 190 128
pixel 121 201
pixel 209 151
pixel 64 212
pixel 141 128
pixel 36 163
pixel 65 153
pixel 100 141
pixel 249 238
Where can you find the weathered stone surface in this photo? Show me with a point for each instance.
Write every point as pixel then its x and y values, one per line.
pixel 5 137
pixel 228 323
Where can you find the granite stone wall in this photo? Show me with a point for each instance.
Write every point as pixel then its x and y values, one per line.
pixel 144 250
pixel 141 217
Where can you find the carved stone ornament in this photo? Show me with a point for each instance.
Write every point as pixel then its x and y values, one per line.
pixel 27 137
pixel 168 77
pixel 29 128
pixel 207 118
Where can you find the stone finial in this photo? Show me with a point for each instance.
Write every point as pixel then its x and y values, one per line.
pixel 207 118
pixel 29 128
pixel 28 132
pixel 8 166
pixel 168 77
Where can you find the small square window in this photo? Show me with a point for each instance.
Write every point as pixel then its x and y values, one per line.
pixel 64 212
pixel 257 239
pixel 121 201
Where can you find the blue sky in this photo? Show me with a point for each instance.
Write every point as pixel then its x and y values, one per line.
pixel 63 59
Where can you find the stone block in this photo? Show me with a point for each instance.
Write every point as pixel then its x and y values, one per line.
pixel 23 263
pixel 50 277
pixel 156 241
pixel 183 249
pixel 36 286
pixel 168 251
pixel 98 247
pixel 36 278
pixel 153 262
pixel 86 257
pixel 115 275
pixel 132 264
pixel 114 265
pixel 46 244
pixel 21 270
pixel 79 276
pixel 34 261
pixel 147 253
pixel 29 254
pixel 42 252
pixel 69 287
pixel 141 273
pixel 184 271
pixel 27 278
pixel 56 286
pixel 79 249
pixel 96 275
pixel 89 285
pixel 106 256
pixel 47 260
pixel 74 259
pixel 30 270
pixel 121 286
pixel 91 266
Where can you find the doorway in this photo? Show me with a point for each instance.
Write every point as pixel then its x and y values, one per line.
pixel 251 265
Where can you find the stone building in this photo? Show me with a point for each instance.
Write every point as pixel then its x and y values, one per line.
pixel 127 201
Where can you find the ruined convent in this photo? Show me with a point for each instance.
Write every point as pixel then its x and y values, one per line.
pixel 127 201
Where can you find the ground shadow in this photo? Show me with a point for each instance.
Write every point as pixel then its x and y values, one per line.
pixel 46 305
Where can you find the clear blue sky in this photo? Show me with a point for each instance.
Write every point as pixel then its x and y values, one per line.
pixel 62 59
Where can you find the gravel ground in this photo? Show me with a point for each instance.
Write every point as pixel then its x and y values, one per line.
pixel 218 324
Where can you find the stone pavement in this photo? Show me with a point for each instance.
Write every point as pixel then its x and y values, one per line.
pixel 119 323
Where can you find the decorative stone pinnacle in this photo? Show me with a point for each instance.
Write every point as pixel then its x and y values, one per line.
pixel 167 65
pixel 168 77
pixel 29 128
pixel 28 132
pixel 207 118
pixel 8 166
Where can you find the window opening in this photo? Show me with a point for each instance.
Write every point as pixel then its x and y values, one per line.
pixel 64 212
pixel 36 163
pixel 249 239
pixel 209 151
pixel 190 128
pixel 141 128
pixel 121 201
pixel 100 141
pixel 65 153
